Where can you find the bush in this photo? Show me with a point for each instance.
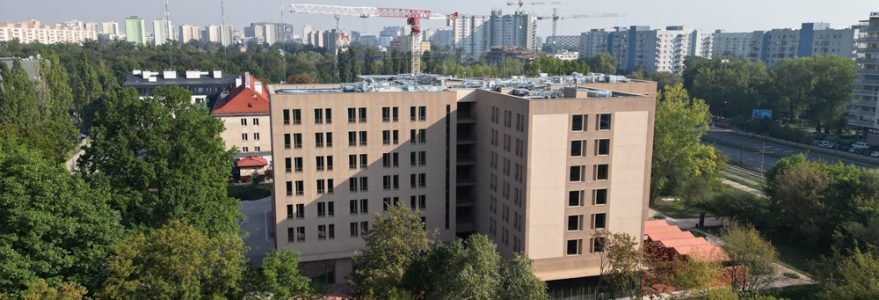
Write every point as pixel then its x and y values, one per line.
pixel 773 129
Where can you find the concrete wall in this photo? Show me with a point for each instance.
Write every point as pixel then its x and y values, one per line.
pixel 233 131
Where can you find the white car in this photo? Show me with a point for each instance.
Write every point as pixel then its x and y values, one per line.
pixel 874 154
pixel 860 146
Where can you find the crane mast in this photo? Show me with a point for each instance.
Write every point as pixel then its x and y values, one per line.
pixel 413 19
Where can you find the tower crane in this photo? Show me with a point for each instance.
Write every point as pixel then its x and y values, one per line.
pixel 521 3
pixel 555 19
pixel 413 19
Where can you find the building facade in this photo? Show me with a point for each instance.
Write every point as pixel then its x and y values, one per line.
pixel 220 34
pixel 163 32
pixel 538 174
pixel 244 112
pixel 737 44
pixel 518 30
pixel 863 109
pixel 471 36
pixel 35 32
pixel 655 50
pixel 135 31
pixel 205 87
pixel 563 42
pixel 190 33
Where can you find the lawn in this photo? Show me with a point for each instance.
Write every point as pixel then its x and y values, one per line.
pixel 674 209
pixel 795 255
pixel 249 191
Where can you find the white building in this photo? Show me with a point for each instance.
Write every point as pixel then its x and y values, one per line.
pixel 563 42
pixel 190 33
pixel 34 32
pixel 566 55
pixel 163 32
pixel 220 34
pixel 656 50
pixel 737 44
pixel 518 30
pixel 470 35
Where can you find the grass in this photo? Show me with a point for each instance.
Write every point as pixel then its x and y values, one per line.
pixel 249 191
pixel 674 209
pixel 795 255
pixel 796 292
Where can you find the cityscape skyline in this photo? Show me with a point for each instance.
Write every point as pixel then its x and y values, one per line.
pixel 741 16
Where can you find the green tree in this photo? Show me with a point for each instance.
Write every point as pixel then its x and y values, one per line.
pixel 164 158
pixel 458 270
pixel 18 105
pixel 620 265
pixel 792 86
pixel 87 90
pixel 280 275
pixel 834 76
pixel 41 290
pixel 396 239
pixel 854 277
pixel 798 189
pixel 602 63
pixel 52 224
pixel 518 280
pixel 731 88
pixel 752 256
pixel 53 139
pixel 176 261
pixel 678 154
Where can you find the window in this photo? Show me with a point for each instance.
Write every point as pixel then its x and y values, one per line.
pixel 364 227
pixel 318 115
pixel 578 123
pixel 391 160
pixel 494 114
pixel 494 137
pixel 288 164
pixel 395 114
pixel 508 119
pixel 300 188
pixel 289 188
pixel 601 172
pixel 256 121
pixel 577 148
pixel 319 139
pixel 328 115
pixel 578 173
pixel 387 202
pixel 291 234
pixel 300 234
pixel 386 114
pixel 289 211
pixel 328 139
pixel 363 138
pixel 356 184
pixel 574 247
pixel 598 244
pixel 352 207
pixel 422 113
pixel 422 158
pixel 604 122
pixel 507 139
pixel 300 211
pixel 256 149
pixel 353 230
pixel 418 202
pixel 575 223
pixel 352 115
pixel 286 116
pixel 245 149
pixel 417 180
pixel 321 232
pixel 364 206
pixel 413 113
pixel 321 209
pixel 418 136
pixel 575 198
pixel 602 147
pixel 599 197
pixel 520 122
pixel 286 141
pixel 386 137
pixel 297 140
pixel 362 114
pixel 396 137
pixel 319 162
pixel 599 221
pixel 243 122
pixel 243 135
pixel 297 162
pixel 363 161
pixel 297 116
pixel 352 161
pixel 364 184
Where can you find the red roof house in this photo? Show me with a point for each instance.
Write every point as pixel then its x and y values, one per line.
pixel 251 97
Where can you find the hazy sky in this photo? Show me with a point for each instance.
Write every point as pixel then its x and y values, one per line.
pixel 731 15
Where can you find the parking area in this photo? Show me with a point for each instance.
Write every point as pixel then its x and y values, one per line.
pixel 256 230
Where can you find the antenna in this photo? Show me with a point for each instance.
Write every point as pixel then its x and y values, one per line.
pixel 169 33
pixel 223 27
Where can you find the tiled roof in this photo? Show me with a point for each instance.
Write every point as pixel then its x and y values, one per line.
pixel 252 162
pixel 244 100
pixel 682 242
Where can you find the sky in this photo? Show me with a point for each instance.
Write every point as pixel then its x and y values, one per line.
pixel 729 15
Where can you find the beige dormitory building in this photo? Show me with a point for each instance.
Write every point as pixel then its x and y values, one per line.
pixel 537 168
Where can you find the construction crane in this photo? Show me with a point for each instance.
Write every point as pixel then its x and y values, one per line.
pixel 521 3
pixel 555 19
pixel 413 19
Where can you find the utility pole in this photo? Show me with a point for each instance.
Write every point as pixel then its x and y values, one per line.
pixel 762 155
pixel 169 34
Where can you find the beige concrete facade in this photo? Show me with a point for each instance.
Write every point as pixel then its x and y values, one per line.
pixel 250 134
pixel 506 161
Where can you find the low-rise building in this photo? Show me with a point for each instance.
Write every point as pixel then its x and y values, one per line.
pixel 205 86
pixel 245 115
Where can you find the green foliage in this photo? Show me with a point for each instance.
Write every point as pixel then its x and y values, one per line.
pixel 458 270
pixel 396 239
pixel 164 158
pixel 678 154
pixel 692 274
pixel 176 261
pixel 87 90
pixel 280 275
pixel 602 63
pixel 41 290
pixel 554 66
pixel 732 88
pixel 52 224
pixel 61 95
pixel 518 280
pixel 18 102
pixel 54 140
pixel 620 265
pixel 752 257
pixel 854 277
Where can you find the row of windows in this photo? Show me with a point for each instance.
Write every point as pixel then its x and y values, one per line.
pixel 602 147
pixel 244 121
pixel 505 236
pixel 247 149
pixel 520 144
pixel 355 115
pixel 598 221
pixel 577 198
pixel 355 138
pixel 599 172
pixel 356 206
pixel 389 160
pixel 575 247
pixel 602 122
pixel 508 119
pixel 325 232
pixel 255 136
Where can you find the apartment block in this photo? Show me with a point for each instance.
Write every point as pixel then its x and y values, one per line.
pixel 244 112
pixel 35 32
pixel 656 50
pixel 737 44
pixel 538 171
pixel 135 30
pixel 862 109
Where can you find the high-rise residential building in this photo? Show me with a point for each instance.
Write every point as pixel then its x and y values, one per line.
pixel 656 50
pixel 190 33
pixel 563 42
pixel 220 34
pixel 135 31
pixel 737 44
pixel 35 32
pixel 863 109
pixel 539 172
pixel 443 38
pixel 265 33
pixel 471 35
pixel 110 28
pixel 163 32
pixel 811 39
pixel 518 30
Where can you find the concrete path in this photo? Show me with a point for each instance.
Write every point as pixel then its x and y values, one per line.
pixel 687 223
pixel 256 228
pixel 70 164
pixel 743 187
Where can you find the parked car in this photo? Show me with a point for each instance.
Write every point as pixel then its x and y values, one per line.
pixel 860 145
pixel 874 154
pixel 825 144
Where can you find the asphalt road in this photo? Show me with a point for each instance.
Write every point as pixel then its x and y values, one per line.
pixel 747 151
pixel 257 217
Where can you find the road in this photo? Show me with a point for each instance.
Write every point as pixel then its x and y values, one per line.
pixel 257 218
pixel 746 150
